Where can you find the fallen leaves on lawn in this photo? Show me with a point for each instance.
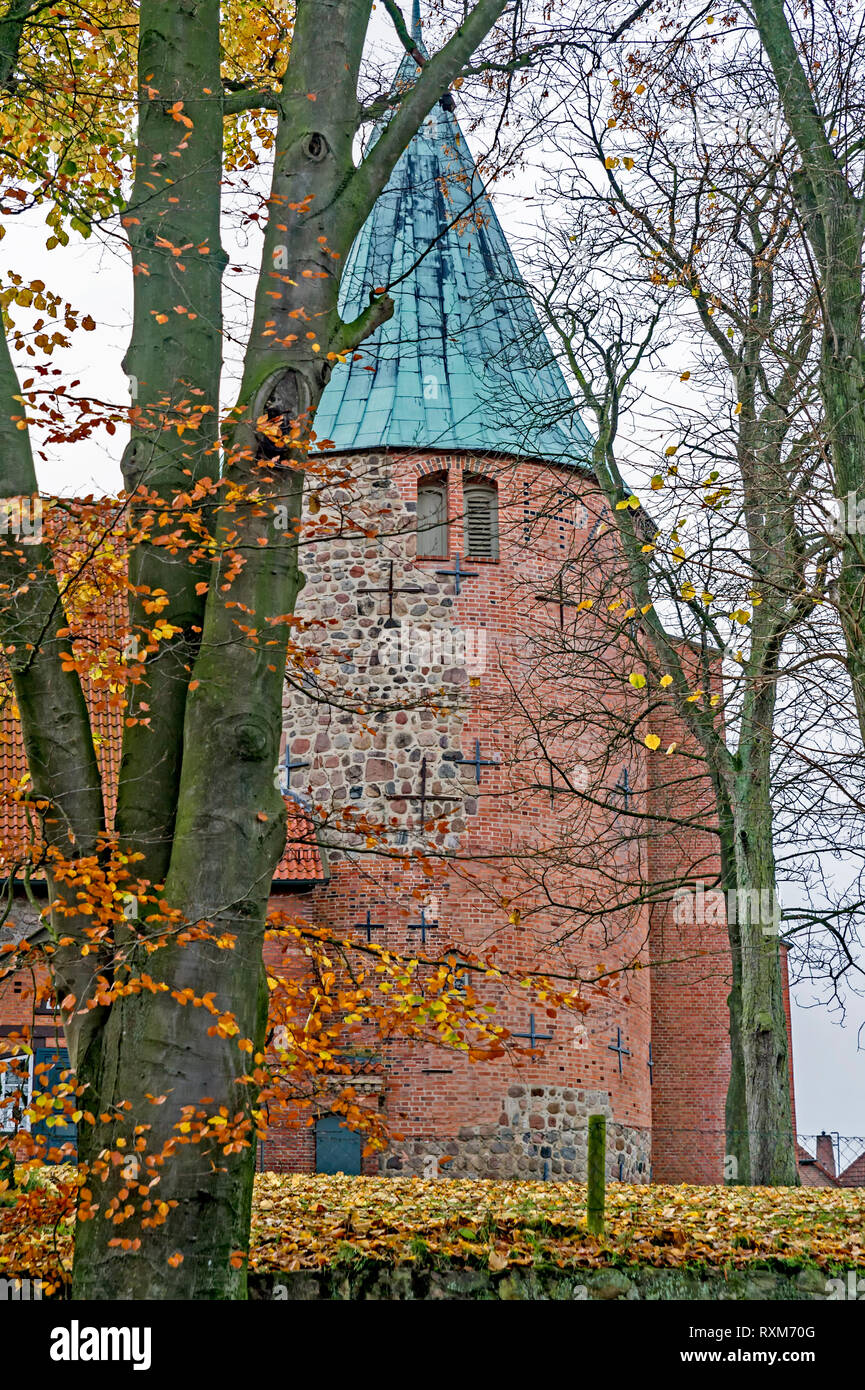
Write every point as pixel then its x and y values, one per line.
pixel 302 1221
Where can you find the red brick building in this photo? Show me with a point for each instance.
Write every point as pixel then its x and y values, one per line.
pixel 466 700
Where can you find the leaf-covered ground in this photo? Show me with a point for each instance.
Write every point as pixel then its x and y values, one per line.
pixel 310 1222
pixel 305 1222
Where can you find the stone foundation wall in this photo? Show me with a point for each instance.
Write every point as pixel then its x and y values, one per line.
pixel 542 1132
pixel 515 1285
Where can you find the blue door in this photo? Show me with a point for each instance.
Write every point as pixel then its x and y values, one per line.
pixel 57 1058
pixel 337 1149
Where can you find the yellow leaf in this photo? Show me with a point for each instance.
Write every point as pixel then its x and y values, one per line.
pixel 636 680
pixel 666 680
pixel 652 741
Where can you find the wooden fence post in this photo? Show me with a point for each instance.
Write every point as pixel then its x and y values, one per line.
pixel 597 1174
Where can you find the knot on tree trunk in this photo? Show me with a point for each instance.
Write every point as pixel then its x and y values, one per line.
pixel 315 146
pixel 252 739
pixel 284 401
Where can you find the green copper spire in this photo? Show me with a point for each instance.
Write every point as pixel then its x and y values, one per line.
pixel 462 364
pixel 416 31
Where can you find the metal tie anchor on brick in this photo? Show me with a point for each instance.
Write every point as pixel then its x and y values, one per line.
pixel 624 786
pixel 477 762
pixel 558 597
pixel 369 926
pixel 617 1047
pixel 458 574
pixel 533 1036
pixel 423 926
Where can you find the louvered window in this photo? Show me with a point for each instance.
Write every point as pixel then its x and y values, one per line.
pixel 481 520
pixel 432 517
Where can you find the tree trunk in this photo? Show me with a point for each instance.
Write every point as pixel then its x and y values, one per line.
pixel 174 363
pixel 764 1078
pixel 154 1047
pixel 834 220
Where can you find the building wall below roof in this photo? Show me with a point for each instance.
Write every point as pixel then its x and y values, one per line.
pixel 370 768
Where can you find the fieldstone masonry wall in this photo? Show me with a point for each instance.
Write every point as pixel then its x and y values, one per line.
pixel 401 658
pixel 541 1132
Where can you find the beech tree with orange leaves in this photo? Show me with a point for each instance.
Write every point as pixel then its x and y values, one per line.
pixel 158 904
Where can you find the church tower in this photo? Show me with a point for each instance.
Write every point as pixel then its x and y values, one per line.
pixel 454 538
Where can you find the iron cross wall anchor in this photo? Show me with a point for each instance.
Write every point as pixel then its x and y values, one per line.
pixel 477 762
pixel 623 785
pixel 550 787
pixel 291 767
pixel 458 574
pixel 423 796
pixel 558 597
pixel 533 1036
pixel 390 589
pixel 423 926
pixel 617 1047
pixel 369 926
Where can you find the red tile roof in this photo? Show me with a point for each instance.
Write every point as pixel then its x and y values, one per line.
pixel 303 861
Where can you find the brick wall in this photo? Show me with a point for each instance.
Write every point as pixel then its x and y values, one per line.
pixel 436 1101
